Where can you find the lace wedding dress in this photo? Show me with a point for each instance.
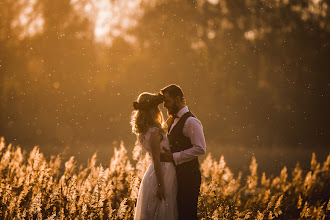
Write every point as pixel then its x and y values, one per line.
pixel 149 206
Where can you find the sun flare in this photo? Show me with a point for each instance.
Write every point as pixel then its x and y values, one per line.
pixel 110 19
pixel 29 21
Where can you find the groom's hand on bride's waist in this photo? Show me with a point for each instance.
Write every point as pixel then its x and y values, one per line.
pixel 167 156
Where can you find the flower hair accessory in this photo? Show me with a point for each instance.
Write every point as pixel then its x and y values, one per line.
pixel 154 101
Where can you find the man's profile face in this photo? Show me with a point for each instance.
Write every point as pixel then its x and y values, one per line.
pixel 170 104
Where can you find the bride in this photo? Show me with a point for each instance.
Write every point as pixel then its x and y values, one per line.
pixel 158 189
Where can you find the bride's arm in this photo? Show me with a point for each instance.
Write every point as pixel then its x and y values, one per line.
pixel 155 151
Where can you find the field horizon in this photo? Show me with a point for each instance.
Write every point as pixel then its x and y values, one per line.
pixel 271 159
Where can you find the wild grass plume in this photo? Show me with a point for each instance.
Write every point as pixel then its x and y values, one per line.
pixel 32 187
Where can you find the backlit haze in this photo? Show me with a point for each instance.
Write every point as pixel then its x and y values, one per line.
pixel 256 74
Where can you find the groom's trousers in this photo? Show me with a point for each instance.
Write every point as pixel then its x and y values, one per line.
pixel 188 191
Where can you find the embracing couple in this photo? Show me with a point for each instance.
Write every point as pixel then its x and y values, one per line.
pixel 170 186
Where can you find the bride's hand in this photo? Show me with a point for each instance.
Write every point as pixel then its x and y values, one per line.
pixel 161 192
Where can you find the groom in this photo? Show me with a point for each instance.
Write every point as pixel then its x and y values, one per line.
pixel 187 142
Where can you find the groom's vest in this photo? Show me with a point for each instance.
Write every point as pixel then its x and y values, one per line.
pixel 179 142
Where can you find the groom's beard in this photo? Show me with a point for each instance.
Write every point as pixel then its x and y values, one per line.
pixel 173 111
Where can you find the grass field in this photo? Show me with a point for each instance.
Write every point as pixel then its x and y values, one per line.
pixel 33 187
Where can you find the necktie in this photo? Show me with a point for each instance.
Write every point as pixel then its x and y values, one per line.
pixel 175 116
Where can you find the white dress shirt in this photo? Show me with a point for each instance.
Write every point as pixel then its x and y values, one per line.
pixel 194 130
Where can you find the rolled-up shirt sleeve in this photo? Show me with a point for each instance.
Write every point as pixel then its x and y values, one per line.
pixel 194 130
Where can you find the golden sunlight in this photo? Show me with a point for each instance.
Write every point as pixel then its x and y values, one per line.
pixel 110 18
pixel 242 86
pixel 29 21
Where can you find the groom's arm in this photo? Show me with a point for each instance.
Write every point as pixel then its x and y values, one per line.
pixel 194 130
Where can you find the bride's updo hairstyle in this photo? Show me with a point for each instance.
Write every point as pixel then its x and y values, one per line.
pixel 146 113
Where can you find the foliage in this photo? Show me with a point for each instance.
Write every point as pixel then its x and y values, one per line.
pixel 258 70
pixel 32 187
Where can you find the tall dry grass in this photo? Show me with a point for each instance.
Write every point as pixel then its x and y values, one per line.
pixel 33 188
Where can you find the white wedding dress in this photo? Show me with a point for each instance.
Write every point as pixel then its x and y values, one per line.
pixel 149 206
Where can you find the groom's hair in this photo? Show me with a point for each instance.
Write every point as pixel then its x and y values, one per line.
pixel 173 91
